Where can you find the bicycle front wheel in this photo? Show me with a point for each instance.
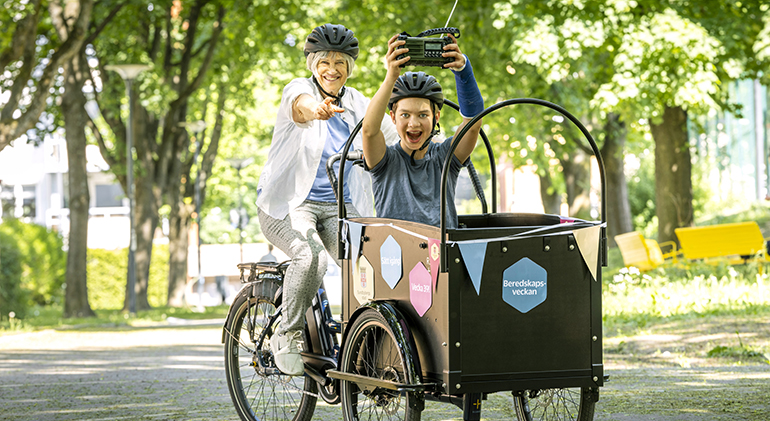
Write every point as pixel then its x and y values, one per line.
pixel 371 350
pixel 573 404
pixel 259 391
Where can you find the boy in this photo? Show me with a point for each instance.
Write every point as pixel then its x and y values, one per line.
pixel 406 177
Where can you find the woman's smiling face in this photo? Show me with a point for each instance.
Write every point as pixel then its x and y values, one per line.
pixel 332 72
pixel 413 118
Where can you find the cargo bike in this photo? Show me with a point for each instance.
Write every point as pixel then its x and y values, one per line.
pixel 506 302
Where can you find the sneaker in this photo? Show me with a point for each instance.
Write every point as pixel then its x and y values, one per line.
pixel 286 351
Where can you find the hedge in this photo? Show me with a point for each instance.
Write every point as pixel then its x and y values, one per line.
pixel 107 270
pixel 12 297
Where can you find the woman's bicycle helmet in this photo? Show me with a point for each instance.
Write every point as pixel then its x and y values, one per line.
pixel 417 85
pixel 331 37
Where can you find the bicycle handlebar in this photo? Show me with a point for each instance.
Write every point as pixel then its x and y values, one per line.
pixel 357 157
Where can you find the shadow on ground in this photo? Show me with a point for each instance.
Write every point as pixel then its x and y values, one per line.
pixel 176 373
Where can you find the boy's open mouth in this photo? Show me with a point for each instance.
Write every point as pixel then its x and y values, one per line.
pixel 414 136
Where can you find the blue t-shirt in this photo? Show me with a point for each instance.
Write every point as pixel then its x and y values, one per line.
pixel 335 141
pixel 413 192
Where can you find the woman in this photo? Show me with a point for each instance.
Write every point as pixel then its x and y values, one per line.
pixel 297 206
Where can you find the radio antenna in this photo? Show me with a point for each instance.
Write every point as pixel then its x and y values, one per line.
pixel 450 14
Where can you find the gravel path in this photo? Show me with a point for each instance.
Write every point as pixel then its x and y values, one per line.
pixel 176 373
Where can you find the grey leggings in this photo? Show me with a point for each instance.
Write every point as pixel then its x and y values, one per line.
pixel 297 236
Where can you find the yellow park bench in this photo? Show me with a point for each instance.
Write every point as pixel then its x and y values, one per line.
pixel 736 242
pixel 644 253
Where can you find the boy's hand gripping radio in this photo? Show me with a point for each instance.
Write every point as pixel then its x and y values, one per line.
pixel 425 51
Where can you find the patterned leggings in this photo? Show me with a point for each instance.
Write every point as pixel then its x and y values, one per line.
pixel 297 235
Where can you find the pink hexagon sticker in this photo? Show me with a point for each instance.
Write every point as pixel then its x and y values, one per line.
pixel 420 291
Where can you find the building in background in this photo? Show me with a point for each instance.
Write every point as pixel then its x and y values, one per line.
pixel 733 148
pixel 33 187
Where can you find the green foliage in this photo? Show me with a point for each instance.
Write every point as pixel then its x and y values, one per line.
pixel 12 297
pixel 741 351
pixel 686 289
pixel 44 262
pixel 640 180
pixel 641 197
pixel 107 277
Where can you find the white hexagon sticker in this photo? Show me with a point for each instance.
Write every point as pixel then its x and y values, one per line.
pixel 390 261
pixel 363 281
pixel 525 285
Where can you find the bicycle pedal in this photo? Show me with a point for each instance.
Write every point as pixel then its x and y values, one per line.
pixel 334 326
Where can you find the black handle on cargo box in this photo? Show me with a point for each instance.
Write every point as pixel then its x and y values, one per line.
pixel 495 107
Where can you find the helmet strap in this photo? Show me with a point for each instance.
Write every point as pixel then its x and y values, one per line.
pixel 337 98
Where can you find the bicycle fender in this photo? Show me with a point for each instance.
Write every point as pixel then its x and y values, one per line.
pixel 400 329
pixel 248 291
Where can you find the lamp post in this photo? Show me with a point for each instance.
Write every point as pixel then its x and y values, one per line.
pixel 129 72
pixel 239 164
pixel 197 128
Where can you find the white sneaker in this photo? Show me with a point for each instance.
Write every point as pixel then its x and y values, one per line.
pixel 286 351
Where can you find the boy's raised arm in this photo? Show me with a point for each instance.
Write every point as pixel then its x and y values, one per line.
pixel 373 139
pixel 468 98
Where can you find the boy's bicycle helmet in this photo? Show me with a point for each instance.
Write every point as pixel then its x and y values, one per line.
pixel 331 37
pixel 417 85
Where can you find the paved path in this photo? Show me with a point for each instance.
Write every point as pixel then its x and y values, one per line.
pixel 176 373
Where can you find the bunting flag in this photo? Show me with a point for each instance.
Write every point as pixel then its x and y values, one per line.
pixel 434 256
pixel 588 244
pixel 354 231
pixel 586 233
pixel 473 256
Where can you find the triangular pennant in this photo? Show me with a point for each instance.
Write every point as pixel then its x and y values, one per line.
pixel 354 230
pixel 473 256
pixel 588 244
pixel 434 256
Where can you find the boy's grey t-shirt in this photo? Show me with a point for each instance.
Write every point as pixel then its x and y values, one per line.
pixel 413 192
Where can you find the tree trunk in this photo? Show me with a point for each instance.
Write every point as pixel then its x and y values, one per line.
pixel 618 208
pixel 551 201
pixel 673 173
pixel 75 118
pixel 145 222
pixel 178 235
pixel 576 166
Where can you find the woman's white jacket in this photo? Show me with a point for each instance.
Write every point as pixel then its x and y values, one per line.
pixel 296 149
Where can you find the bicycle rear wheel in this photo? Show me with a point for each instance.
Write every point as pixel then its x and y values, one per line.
pixel 259 391
pixel 573 404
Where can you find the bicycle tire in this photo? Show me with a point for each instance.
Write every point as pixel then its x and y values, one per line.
pixel 371 350
pixel 259 396
pixel 571 404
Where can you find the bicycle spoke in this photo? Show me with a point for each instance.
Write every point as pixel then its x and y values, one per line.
pixel 259 394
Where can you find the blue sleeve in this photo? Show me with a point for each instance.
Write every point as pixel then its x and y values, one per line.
pixel 468 94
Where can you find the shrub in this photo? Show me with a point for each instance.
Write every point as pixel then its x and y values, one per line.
pixel 43 260
pixel 12 297
pixel 107 271
pixel 33 266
